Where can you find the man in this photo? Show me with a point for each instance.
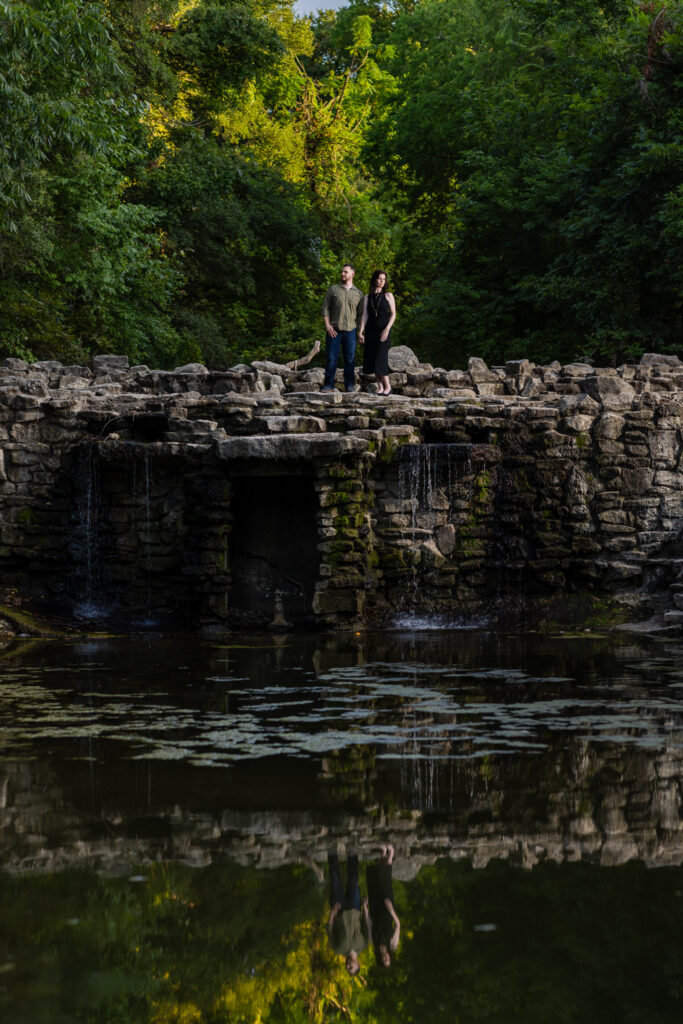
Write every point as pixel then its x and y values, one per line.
pixel 342 312
pixel 348 927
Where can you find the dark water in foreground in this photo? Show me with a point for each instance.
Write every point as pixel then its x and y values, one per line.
pixel 167 805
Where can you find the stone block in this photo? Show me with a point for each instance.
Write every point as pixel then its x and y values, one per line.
pixel 196 368
pixel 445 539
pixel 636 481
pixel 577 424
pixel 458 379
pixel 576 370
pixel 291 424
pixel 531 387
pixel 47 366
pixel 401 358
pixel 104 364
pixel 660 360
pixel 476 365
pixel 612 392
pixel 489 387
pixel 518 367
pixel 609 426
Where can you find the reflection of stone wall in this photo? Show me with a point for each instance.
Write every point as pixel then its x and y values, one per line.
pixel 462 488
pixel 579 802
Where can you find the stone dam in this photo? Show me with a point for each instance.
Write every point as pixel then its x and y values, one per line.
pixel 246 497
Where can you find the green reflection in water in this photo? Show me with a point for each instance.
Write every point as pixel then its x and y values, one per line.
pixel 559 944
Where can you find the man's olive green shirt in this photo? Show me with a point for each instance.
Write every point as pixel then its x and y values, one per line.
pixel 348 931
pixel 344 307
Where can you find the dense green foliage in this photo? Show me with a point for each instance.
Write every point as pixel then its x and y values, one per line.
pixel 181 179
pixel 572 944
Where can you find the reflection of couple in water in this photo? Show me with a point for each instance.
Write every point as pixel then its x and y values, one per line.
pixel 352 926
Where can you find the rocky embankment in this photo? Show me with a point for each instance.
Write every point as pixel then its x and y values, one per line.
pixel 464 488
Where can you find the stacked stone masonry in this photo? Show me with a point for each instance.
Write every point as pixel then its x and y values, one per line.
pixel 248 496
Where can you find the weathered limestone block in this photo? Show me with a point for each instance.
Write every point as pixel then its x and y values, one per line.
pixel 664 478
pixel 576 370
pixel 636 480
pixel 577 424
pixel 290 424
pixel 665 447
pixel 46 366
pixel 432 558
pixel 518 367
pixel 194 368
pixel 494 387
pixel 579 405
pixel 309 401
pixel 458 379
pixel 401 358
pixel 102 365
pixel 609 426
pixel 612 392
pixel 445 539
pixel 476 365
pixel 531 387
pixel 660 360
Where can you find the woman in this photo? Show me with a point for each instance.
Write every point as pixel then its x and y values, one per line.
pixel 385 927
pixel 379 313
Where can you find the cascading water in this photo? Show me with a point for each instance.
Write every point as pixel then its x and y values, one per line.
pixel 140 475
pixel 87 541
pixel 148 528
pixel 431 475
pixel 427 469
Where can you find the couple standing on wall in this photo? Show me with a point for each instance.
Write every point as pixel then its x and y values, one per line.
pixel 349 314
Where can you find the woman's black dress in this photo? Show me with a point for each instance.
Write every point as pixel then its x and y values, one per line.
pixel 376 354
pixel 379 889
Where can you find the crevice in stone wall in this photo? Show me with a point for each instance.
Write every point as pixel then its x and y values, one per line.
pixel 274 561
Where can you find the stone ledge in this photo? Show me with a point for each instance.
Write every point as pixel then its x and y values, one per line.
pixel 290 446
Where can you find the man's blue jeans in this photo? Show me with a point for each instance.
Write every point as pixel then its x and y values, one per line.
pixel 350 900
pixel 346 343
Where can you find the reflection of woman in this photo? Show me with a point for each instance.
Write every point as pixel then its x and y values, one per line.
pixel 379 313
pixel 385 925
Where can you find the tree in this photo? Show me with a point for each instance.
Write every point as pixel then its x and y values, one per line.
pixel 539 169
pixel 79 268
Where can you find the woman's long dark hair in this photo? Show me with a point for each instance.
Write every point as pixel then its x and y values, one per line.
pixel 374 279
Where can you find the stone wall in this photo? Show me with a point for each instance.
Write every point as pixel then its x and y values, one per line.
pixel 464 491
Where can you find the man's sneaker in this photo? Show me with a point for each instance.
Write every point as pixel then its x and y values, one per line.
pixel 327 387
pixel 350 388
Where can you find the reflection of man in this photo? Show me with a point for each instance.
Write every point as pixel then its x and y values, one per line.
pixel 348 927
pixel 342 312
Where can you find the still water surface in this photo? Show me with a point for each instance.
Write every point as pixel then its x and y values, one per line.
pixel 167 805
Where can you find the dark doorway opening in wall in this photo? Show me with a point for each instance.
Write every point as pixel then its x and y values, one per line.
pixel 274 557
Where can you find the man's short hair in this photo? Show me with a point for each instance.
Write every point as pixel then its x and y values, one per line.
pixel 347 264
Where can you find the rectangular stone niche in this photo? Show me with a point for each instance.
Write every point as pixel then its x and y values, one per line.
pixel 274 557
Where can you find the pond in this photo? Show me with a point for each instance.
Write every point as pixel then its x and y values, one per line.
pixel 168 804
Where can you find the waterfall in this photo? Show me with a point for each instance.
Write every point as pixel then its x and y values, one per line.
pixel 148 528
pixel 424 469
pixel 87 540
